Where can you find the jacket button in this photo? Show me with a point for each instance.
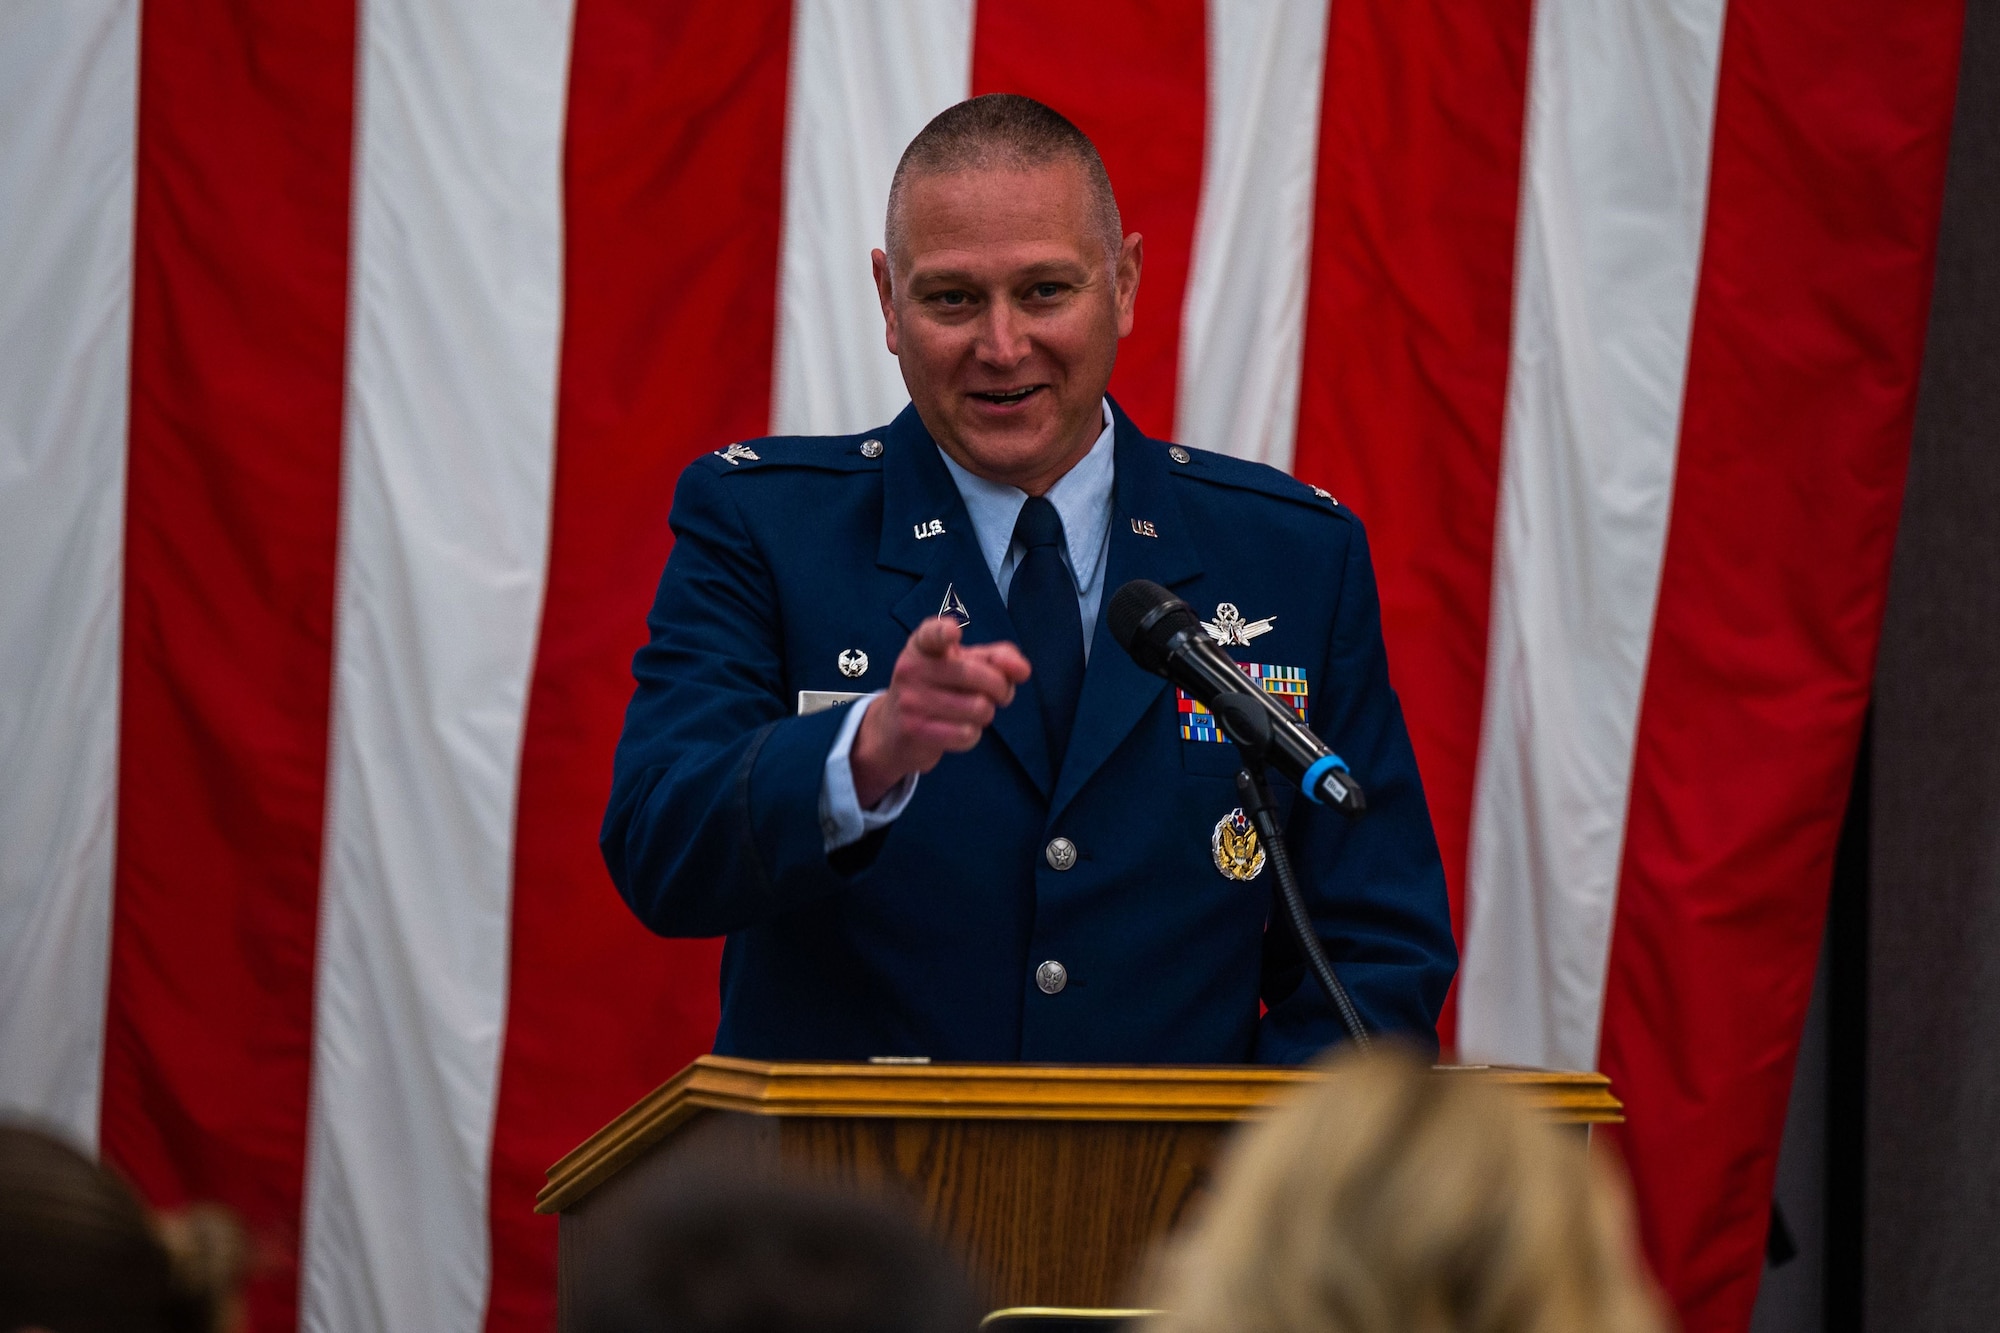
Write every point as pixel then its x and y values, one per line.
pixel 1051 977
pixel 1061 855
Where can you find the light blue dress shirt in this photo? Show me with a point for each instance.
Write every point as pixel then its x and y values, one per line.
pixel 1082 497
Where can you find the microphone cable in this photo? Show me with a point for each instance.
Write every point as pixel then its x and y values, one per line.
pixel 1255 794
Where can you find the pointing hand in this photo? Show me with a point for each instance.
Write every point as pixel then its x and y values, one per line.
pixel 940 699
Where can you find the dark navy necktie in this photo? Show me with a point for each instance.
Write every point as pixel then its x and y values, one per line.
pixel 1042 604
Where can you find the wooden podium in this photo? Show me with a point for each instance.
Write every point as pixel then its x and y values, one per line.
pixel 1051 1181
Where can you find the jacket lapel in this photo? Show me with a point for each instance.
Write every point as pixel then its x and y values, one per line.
pixel 1116 692
pixel 917 491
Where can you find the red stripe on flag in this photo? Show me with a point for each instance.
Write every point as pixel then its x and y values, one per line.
pixel 1132 75
pixel 1404 392
pixel 673 175
pixel 238 345
pixel 1831 130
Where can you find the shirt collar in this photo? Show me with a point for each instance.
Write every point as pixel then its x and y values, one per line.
pixel 1082 497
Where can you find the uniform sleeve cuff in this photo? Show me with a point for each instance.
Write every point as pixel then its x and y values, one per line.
pixel 842 821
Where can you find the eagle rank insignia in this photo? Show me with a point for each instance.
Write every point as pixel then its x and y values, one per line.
pixel 1230 628
pixel 1238 855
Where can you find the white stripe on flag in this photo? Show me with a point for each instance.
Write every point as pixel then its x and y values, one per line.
pixel 448 458
pixel 69 77
pixel 1243 330
pixel 1621 112
pixel 866 75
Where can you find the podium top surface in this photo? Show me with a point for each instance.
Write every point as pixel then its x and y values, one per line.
pixel 994 1092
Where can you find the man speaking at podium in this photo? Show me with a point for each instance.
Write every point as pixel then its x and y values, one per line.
pixel 884 741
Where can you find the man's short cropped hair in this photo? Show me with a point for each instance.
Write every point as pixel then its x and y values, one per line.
pixel 1003 131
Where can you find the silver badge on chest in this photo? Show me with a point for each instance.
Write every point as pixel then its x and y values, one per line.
pixel 1229 628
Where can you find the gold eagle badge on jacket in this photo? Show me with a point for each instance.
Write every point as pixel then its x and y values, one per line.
pixel 1238 855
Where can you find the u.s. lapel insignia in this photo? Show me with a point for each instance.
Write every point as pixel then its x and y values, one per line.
pixel 1238 855
pixel 736 454
pixel 954 606
pixel 1230 628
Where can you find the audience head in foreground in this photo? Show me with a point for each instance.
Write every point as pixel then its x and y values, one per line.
pixel 80 1254
pixel 723 1255
pixel 1393 1200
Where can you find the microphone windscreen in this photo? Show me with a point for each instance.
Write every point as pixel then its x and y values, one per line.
pixel 1144 617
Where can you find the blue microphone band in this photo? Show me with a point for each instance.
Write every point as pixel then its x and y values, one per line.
pixel 1319 769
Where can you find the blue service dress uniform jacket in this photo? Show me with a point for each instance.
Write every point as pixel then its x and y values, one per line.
pixel 924 939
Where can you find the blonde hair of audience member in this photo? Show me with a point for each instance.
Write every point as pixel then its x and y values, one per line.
pixel 80 1254
pixel 1393 1200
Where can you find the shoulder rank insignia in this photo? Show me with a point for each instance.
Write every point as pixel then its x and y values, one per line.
pixel 736 453
pixel 1234 846
pixel 1229 627
pixel 954 606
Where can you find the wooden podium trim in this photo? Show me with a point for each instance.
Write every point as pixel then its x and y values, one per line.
pixel 992 1092
pixel 1108 1316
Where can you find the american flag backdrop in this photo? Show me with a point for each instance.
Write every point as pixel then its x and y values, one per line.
pixel 348 355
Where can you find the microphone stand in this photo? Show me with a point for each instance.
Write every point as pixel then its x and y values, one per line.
pixel 1251 732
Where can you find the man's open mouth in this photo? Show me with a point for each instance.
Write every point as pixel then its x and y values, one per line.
pixel 1008 397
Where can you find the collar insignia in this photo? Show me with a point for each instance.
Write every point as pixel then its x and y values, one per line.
pixel 954 606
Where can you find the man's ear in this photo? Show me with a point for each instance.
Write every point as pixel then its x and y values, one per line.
pixel 885 293
pixel 1131 258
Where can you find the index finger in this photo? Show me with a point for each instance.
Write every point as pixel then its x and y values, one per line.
pixel 936 636
pixel 1003 657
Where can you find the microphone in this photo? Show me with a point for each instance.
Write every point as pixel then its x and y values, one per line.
pixel 1163 635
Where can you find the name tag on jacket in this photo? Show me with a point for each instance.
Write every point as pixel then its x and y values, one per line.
pixel 818 701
